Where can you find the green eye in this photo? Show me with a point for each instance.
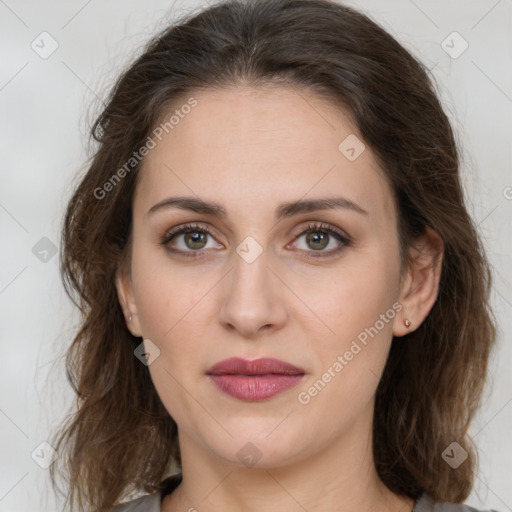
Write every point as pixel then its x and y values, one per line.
pixel 195 239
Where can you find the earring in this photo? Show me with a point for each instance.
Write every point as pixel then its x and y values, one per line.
pixel 407 323
pixel 130 316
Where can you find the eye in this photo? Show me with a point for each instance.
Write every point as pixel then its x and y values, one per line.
pixel 193 239
pixel 189 240
pixel 318 236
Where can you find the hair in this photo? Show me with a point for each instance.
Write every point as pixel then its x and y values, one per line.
pixel 120 438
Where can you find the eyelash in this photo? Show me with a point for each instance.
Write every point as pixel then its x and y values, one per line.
pixel 312 228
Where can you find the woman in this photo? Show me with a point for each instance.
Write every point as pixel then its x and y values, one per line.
pixel 285 301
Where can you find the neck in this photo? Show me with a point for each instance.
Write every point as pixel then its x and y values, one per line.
pixel 341 477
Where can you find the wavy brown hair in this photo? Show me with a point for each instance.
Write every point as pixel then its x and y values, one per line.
pixel 119 438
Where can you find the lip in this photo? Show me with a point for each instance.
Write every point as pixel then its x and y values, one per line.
pixel 255 380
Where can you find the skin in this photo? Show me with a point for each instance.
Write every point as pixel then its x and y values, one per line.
pixel 250 149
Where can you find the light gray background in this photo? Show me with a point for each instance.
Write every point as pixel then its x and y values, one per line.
pixel 46 106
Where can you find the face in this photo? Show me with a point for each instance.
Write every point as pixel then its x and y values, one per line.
pixel 317 288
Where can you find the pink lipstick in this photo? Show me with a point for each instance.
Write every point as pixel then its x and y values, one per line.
pixel 255 380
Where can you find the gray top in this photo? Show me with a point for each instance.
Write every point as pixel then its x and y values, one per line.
pixel 152 503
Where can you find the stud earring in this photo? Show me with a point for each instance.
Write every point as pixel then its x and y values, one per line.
pixel 407 323
pixel 129 312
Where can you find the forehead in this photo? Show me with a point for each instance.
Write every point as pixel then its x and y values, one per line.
pixel 256 146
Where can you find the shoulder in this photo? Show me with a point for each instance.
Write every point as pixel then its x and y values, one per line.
pixel 427 504
pixel 149 503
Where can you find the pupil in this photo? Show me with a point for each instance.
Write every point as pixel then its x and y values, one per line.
pixel 316 238
pixel 195 236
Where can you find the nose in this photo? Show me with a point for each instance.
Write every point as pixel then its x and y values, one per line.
pixel 254 298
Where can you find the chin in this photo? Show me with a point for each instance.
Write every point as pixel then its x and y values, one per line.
pixel 254 449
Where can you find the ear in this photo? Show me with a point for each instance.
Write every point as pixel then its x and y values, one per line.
pixel 420 285
pixel 124 287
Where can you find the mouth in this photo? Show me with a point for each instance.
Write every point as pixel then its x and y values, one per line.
pixel 255 380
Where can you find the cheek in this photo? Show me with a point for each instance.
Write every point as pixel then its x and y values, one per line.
pixel 350 298
pixel 174 309
pixel 169 305
pixel 166 297
pixel 359 310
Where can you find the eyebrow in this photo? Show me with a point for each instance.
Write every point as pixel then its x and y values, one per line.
pixel 287 209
